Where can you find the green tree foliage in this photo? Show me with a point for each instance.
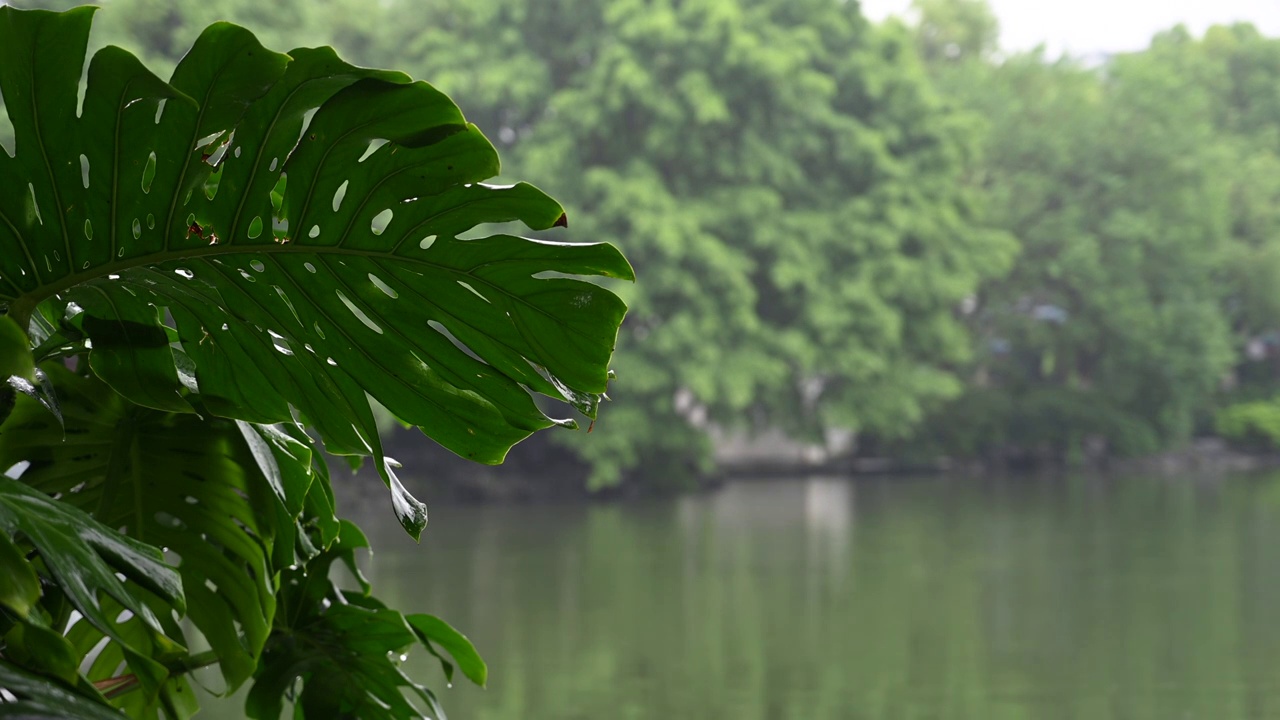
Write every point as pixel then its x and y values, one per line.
pixel 786 180
pixel 794 194
pixel 1143 195
pixel 825 209
pixel 201 278
pixel 782 172
pixel 949 31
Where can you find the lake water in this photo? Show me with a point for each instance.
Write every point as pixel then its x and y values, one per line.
pixel 825 599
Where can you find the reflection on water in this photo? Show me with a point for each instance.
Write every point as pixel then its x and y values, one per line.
pixel 824 598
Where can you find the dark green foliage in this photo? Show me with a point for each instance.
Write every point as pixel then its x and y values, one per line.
pixel 263 241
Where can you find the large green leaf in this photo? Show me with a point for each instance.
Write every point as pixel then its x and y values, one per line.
pixel 344 647
pixel 21 588
pixel 432 629
pixel 324 260
pixel 83 556
pixel 222 497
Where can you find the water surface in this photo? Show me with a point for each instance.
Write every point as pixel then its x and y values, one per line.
pixel 825 599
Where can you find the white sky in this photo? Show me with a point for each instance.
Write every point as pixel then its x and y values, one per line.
pixel 1086 27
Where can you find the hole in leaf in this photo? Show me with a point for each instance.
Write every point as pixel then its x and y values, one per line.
pixel 151 221
pixel 310 268
pixel 237 151
pixel 277 193
pixel 314 232
pixel 255 228
pixel 97 650
pixel 184 272
pixel 359 313
pixel 137 229
pixel 35 206
pixel 272 166
pixel 373 147
pixel 435 325
pixel 257 265
pixel 164 519
pixel 149 172
pixel 84 171
pixel 6 131
pixel 318 330
pixel 160 110
pixel 208 139
pixel 279 342
pixel 306 122
pixel 390 291
pixel 331 361
pixel 288 303
pixel 427 242
pixel 380 221
pixel 247 276
pixel 473 290
pixel 216 157
pixel 212 183
pixel 88 230
pixel 339 195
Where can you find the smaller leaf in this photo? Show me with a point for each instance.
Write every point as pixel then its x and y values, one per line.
pixel 41 391
pixel 410 511
pixel 15 351
pixel 21 588
pixel 40 699
pixel 83 556
pixel 37 647
pixel 432 629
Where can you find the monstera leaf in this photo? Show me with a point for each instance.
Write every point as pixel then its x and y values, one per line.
pixel 344 648
pixel 270 232
pixel 223 498
pixel 87 560
pixel 35 698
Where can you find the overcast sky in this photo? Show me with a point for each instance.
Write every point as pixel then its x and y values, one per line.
pixel 1086 27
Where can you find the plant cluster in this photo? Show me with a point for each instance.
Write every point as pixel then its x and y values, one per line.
pixel 204 281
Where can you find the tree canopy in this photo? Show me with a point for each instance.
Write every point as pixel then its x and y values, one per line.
pixel 896 229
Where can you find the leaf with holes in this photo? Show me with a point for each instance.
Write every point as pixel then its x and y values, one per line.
pixel 222 496
pixel 268 231
pixel 344 647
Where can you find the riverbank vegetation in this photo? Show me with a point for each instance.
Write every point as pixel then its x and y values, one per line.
pixel 893 239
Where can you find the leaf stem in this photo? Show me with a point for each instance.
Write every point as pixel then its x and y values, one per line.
pixel 20 310
pixel 114 687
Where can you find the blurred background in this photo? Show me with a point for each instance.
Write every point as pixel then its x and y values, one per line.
pixel 951 381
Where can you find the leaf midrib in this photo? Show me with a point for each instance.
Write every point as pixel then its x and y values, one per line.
pixel 70 281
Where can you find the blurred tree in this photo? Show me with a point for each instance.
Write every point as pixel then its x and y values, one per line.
pixel 1127 200
pixel 787 183
pixel 783 174
pixel 955 30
